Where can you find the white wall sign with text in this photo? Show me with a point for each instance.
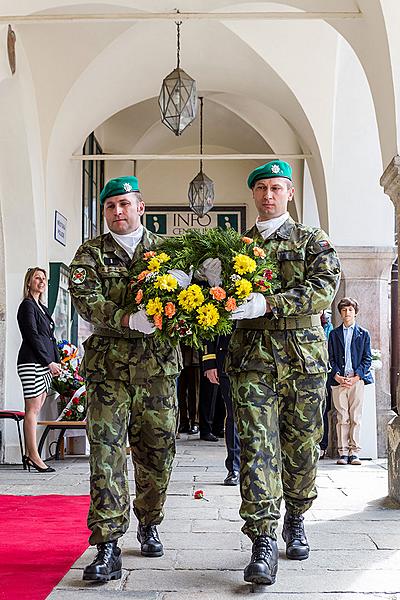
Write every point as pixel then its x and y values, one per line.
pixel 175 220
pixel 60 228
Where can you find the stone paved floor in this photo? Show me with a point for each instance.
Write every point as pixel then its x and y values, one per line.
pixel 353 530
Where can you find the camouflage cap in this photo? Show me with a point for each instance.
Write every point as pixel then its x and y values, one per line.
pixel 275 168
pixel 119 186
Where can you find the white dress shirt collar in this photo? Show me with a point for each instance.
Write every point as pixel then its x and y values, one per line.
pixel 267 228
pixel 129 241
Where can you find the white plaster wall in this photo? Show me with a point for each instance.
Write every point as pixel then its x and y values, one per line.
pixel 361 214
pixel 310 208
pixel 21 233
pixel 391 12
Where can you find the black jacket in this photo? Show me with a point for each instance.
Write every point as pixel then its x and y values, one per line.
pixel 37 330
pixel 214 353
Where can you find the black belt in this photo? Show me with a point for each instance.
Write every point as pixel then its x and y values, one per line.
pixel 280 324
pixel 129 334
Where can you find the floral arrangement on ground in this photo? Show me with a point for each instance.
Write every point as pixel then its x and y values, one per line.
pixel 70 385
pixel 197 313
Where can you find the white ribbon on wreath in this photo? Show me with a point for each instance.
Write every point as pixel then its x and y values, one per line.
pixel 77 394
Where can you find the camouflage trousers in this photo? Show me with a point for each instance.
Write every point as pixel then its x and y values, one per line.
pixel 147 415
pixel 280 426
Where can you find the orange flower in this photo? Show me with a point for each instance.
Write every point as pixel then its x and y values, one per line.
pixel 218 293
pixel 258 252
pixel 230 304
pixel 158 321
pixel 139 297
pixel 142 275
pixel 170 309
pixel 247 240
pixel 149 254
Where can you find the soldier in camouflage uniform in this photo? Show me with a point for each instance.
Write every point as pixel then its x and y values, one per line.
pixel 277 365
pixel 131 384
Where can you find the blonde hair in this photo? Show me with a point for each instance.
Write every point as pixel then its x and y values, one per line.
pixel 28 280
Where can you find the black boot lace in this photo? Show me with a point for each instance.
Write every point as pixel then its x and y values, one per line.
pixel 149 531
pixel 295 526
pixel 262 549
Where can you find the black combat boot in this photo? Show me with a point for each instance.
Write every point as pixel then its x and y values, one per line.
pixel 263 566
pixel 107 564
pixel 150 543
pixel 297 547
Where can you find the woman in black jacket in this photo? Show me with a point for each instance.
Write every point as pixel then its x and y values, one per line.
pixel 38 359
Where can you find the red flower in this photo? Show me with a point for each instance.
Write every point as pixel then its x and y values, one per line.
pixel 268 274
pixel 68 413
pixel 75 400
pixel 198 495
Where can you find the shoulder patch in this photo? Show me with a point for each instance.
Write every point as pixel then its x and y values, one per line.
pixel 324 244
pixel 78 275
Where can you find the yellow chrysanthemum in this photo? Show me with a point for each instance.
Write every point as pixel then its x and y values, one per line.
pixel 154 307
pixel 191 298
pixel 243 288
pixel 166 282
pixel 207 315
pixel 154 265
pixel 244 264
pixel 163 257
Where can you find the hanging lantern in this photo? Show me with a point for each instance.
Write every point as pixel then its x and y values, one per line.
pixel 178 96
pixel 201 188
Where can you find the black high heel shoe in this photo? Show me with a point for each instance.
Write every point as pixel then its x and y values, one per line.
pixel 29 463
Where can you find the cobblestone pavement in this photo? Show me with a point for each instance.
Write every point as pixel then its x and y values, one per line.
pixel 353 530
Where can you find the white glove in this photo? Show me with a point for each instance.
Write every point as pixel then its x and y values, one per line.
pixel 210 270
pixel 256 306
pixel 183 279
pixel 140 322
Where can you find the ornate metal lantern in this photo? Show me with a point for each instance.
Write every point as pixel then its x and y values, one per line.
pixel 178 96
pixel 201 188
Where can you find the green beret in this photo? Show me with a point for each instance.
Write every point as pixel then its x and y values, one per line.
pixel 118 187
pixel 275 168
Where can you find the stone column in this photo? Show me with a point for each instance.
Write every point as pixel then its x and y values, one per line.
pixel 366 273
pixel 390 181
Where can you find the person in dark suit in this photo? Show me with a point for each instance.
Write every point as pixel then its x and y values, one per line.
pixel 350 357
pixel 38 359
pixel 213 366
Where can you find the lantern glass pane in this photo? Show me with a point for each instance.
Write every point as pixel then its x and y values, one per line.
pixel 201 194
pixel 178 101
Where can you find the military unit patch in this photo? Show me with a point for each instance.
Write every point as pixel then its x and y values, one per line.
pixel 78 275
pixel 324 244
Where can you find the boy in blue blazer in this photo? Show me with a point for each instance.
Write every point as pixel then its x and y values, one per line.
pixel 350 358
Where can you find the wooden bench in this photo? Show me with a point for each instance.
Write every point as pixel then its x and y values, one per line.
pixel 62 426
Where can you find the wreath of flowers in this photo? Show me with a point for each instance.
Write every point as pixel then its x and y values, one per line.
pixel 198 313
pixel 70 385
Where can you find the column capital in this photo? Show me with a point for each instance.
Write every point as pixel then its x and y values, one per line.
pixel 390 180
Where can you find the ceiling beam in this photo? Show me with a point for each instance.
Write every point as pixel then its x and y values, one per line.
pixel 188 156
pixel 182 16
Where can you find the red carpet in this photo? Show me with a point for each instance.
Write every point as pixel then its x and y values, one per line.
pixel 40 539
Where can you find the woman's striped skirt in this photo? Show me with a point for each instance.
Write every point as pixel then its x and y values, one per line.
pixel 35 379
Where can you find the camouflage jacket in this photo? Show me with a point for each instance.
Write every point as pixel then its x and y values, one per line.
pixel 99 287
pixel 290 338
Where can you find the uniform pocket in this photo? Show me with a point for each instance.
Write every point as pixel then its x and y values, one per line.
pixel 93 363
pixel 290 255
pixel 312 348
pixel 250 350
pixel 168 358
